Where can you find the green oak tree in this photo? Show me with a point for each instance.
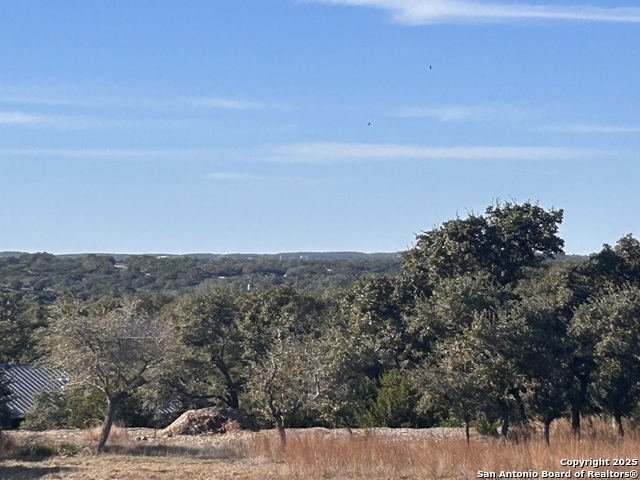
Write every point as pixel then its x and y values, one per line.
pixel 373 309
pixel 608 331
pixel 502 243
pixel 294 358
pixel 544 356
pixel 451 380
pixel 209 355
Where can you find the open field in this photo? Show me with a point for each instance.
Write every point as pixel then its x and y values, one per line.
pixel 313 453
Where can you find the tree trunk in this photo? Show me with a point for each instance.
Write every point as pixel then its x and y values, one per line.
pixel 344 421
pixel 283 436
pixel 466 431
pixel 504 430
pixel 578 399
pixel 276 414
pixel 232 395
pixel 618 418
pixel 547 428
pixel 575 421
pixel 112 404
pixel 521 409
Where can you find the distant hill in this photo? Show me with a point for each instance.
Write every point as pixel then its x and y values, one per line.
pixel 253 256
pixel 280 256
pixel 88 276
pixel 11 254
pixel 569 258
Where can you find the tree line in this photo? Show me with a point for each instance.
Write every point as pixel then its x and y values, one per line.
pixel 43 277
pixel 479 328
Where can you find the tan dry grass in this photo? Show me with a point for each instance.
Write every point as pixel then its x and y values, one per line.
pixel 318 454
pixel 335 454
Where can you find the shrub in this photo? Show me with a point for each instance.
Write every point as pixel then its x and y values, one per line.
pixel 132 413
pixel 50 410
pixel 485 427
pixel 35 451
pixel 6 443
pixel 391 401
pixel 68 449
pixel 86 406
pixel 5 393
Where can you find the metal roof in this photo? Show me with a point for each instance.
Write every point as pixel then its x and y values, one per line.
pixel 26 381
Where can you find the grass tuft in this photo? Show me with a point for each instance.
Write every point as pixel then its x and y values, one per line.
pixel 117 435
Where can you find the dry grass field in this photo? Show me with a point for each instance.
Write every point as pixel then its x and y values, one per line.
pixel 313 453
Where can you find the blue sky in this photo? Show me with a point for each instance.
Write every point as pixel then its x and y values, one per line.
pixel 268 126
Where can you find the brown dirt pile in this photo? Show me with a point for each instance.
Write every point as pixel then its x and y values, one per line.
pixel 206 421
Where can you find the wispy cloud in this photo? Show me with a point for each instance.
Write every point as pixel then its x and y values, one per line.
pixel 233 176
pixel 75 122
pixel 421 12
pixel 35 100
pixel 20 118
pixel 102 99
pixel 24 119
pixel 586 128
pixel 463 113
pixel 65 122
pixel 106 153
pixel 315 152
pixel 105 111
pixel 337 152
pixel 444 114
pixel 225 103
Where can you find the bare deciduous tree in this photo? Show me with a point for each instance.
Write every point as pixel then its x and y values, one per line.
pixel 115 349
